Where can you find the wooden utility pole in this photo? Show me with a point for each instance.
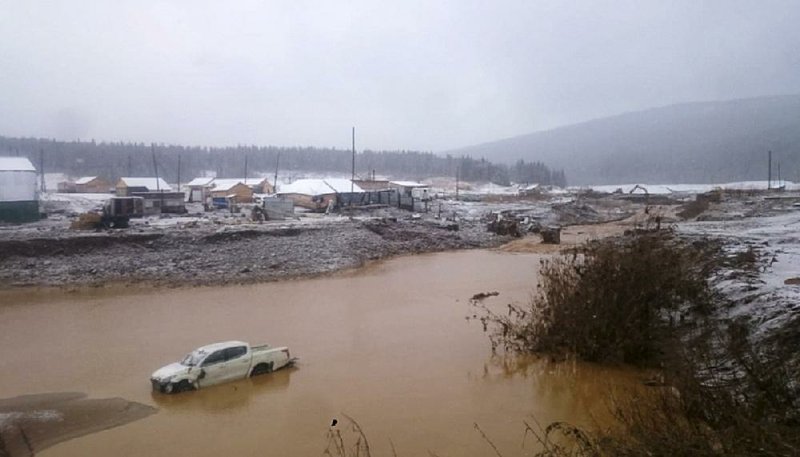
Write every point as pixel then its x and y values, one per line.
pixel 155 165
pixel 353 169
pixel 41 170
pixel 458 173
pixel 245 169
pixel 277 164
pixel 130 168
pixel 179 172
pixel 158 183
pixel 769 170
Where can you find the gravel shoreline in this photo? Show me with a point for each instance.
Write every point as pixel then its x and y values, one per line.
pixel 203 255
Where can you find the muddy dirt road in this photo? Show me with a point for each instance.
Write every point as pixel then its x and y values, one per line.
pixel 387 344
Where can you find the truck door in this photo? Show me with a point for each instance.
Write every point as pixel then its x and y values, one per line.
pixel 214 369
pixel 238 362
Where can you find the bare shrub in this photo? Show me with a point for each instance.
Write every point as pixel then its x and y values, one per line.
pixel 608 300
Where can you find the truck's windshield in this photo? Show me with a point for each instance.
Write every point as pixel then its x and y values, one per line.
pixel 193 358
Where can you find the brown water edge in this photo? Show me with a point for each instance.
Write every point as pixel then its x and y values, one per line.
pixel 387 344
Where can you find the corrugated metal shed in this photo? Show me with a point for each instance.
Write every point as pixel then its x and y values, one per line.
pixel 19 201
pixel 16 164
pixel 17 179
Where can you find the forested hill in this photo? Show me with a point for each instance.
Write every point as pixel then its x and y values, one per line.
pixel 705 142
pixel 112 160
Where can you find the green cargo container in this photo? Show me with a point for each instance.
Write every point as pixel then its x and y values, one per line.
pixel 18 212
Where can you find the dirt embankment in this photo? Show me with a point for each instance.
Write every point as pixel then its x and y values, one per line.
pixel 234 254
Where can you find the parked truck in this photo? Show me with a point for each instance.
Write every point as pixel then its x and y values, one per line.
pixel 118 211
pixel 217 363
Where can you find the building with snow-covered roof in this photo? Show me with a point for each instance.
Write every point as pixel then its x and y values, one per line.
pixel 411 189
pixel 233 190
pixel 318 194
pixel 259 185
pixel 200 189
pixel 204 181
pixel 92 185
pixel 370 185
pixel 127 186
pixel 19 200
pixel 157 194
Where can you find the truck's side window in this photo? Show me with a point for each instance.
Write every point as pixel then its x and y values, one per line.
pixel 215 357
pixel 235 352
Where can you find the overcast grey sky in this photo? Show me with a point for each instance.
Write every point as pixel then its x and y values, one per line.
pixel 409 74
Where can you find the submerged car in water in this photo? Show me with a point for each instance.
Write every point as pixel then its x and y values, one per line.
pixel 217 363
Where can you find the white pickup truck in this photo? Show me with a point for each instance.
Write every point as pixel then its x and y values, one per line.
pixel 217 363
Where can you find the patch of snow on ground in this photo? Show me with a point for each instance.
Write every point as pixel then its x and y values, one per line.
pixel 494 189
pixel 768 301
pixel 9 419
pixel 72 203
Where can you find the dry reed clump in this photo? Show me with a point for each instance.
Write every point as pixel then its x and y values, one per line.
pixel 339 445
pixel 609 300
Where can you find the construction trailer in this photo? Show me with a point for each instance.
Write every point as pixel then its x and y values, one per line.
pixel 162 202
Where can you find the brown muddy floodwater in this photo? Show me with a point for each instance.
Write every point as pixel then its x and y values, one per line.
pixel 387 345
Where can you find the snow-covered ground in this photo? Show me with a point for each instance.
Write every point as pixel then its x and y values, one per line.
pixel 768 301
pixel 664 189
pixel 53 202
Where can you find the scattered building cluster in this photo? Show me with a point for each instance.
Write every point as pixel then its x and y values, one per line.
pixel 19 193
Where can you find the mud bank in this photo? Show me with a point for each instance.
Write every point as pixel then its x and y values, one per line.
pixel 233 254
pixel 31 423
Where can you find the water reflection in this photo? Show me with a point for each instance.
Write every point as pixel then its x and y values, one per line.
pixel 568 385
pixel 226 398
